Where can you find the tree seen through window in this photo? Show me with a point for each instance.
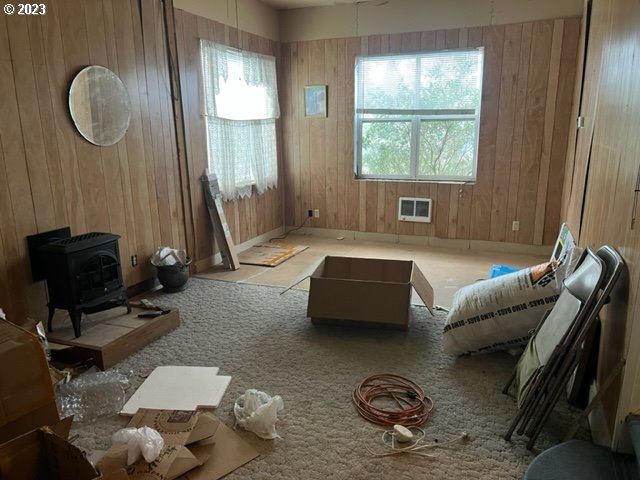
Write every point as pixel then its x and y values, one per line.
pixel 417 115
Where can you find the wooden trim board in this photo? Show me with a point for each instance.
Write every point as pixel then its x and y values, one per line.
pixel 221 230
pixel 108 337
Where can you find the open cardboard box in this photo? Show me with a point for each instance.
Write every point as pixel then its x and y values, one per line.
pixel 33 443
pixel 366 291
pixel 44 454
pixel 27 398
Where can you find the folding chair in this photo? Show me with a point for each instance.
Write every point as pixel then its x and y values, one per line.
pixel 532 371
pixel 553 351
pixel 614 265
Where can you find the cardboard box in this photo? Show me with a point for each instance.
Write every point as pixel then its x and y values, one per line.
pixel 27 398
pixel 366 291
pixel 44 455
pixel 28 449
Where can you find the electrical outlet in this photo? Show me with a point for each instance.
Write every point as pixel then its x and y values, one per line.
pixel 310 213
pixel 316 213
pixel 134 260
pixel 515 225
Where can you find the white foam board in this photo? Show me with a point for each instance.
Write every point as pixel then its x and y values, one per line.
pixel 179 388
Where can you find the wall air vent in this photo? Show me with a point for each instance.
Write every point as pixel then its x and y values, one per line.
pixel 414 209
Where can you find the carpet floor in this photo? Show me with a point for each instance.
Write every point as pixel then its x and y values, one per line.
pixel 264 341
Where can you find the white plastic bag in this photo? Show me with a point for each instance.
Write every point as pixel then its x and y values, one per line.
pixel 166 256
pixel 258 412
pixel 144 440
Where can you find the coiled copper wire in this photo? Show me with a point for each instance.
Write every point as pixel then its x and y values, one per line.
pixel 414 405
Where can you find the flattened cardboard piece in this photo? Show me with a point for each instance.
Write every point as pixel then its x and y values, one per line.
pixel 179 388
pixel 228 451
pixel 177 427
pixel 42 454
pixel 202 454
pixel 115 475
pixel 113 459
pixel 422 287
pixel 27 398
pixel 173 461
pixel 366 291
pixel 270 254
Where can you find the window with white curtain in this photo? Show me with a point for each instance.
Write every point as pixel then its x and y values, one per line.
pixel 241 107
pixel 417 115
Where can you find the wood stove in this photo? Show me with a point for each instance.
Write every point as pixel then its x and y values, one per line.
pixel 83 275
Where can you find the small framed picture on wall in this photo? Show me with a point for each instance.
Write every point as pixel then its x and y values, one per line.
pixel 315 101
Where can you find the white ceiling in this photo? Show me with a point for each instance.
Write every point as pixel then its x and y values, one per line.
pixel 287 4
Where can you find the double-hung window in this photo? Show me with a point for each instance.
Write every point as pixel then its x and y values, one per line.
pixel 241 105
pixel 417 115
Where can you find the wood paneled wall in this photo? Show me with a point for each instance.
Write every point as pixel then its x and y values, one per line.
pixel 249 217
pixel 50 176
pixel 601 202
pixel 528 83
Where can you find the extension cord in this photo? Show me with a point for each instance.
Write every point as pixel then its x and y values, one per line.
pixel 401 439
pixel 414 405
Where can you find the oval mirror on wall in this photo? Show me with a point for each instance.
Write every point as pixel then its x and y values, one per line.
pixel 99 105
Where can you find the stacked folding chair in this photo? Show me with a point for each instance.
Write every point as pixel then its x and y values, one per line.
pixel 555 348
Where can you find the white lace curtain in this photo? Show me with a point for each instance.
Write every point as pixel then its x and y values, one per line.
pixel 241 105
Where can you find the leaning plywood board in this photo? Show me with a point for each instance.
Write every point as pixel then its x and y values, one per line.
pixel 220 226
pixel 179 388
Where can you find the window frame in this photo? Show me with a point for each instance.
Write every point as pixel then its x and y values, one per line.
pixel 416 117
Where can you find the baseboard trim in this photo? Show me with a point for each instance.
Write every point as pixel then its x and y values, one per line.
pixel 485 245
pixel 208 262
pixel 477 245
pixel 141 287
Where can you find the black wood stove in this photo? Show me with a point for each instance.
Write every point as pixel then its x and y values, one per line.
pixel 83 275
